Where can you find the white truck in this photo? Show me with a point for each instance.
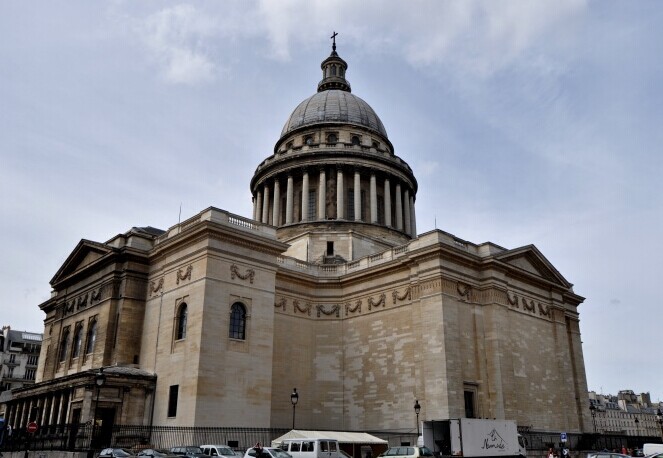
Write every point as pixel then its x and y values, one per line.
pixel 473 437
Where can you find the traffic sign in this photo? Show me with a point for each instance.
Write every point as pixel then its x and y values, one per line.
pixel 563 437
pixel 32 427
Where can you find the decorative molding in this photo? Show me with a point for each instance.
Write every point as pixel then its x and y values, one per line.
pixel 406 295
pixel 250 273
pixel 281 303
pixel 544 311
pixel 155 287
pixel 380 302
pixel 349 309
pixel 95 295
pixel 464 290
pixel 81 302
pixel 513 299
pixel 306 309
pixel 528 306
pixel 185 274
pixel 334 310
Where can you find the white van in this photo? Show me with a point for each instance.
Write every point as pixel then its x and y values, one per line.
pixel 650 449
pixel 219 450
pixel 311 448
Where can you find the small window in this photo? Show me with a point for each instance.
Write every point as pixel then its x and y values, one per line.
pixel 333 69
pixel 330 248
pixel 172 400
pixel 181 322
pixel 295 446
pixel 91 337
pixel 308 140
pixel 332 139
pixel 356 140
pixel 237 321
pixel 376 145
pixel 288 145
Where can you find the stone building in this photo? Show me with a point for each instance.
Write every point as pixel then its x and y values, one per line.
pixel 626 413
pixel 19 355
pixel 328 288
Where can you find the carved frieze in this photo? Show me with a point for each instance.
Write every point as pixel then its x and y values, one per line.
pixel 380 302
pixel 249 274
pixel 302 309
pixel 407 294
pixel 350 309
pixel 281 303
pixel 335 310
pixel 155 287
pixel 184 274
pixel 464 290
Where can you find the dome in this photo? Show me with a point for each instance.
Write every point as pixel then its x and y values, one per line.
pixel 334 106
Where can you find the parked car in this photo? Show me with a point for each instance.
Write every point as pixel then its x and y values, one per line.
pixel 638 452
pixel 407 452
pixel 192 451
pixel 157 453
pixel 219 450
pixel 267 452
pixel 114 453
pixel 606 455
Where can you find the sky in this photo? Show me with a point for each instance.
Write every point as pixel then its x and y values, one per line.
pixel 524 123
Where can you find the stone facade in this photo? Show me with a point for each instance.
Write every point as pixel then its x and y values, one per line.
pixel 214 321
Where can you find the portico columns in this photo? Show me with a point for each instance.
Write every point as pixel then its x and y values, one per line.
pixel 413 224
pixel 406 205
pixel 357 195
pixel 305 191
pixel 399 208
pixel 340 201
pixel 277 203
pixel 387 203
pixel 257 214
pixel 374 199
pixel 265 206
pixel 322 196
pixel 289 201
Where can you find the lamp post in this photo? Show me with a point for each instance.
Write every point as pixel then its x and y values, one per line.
pixel 294 398
pixel 417 409
pixel 659 419
pixel 592 409
pixel 99 380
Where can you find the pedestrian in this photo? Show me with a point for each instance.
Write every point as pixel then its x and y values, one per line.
pixel 551 453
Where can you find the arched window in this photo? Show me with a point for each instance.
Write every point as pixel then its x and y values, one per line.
pixel 78 337
pixel 91 337
pixel 356 140
pixel 238 321
pixel 64 343
pixel 333 70
pixel 180 333
pixel 332 139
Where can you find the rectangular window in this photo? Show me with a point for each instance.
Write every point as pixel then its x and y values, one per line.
pixel 29 374
pixel 172 400
pixel 283 210
pixel 469 404
pixel 351 205
pixel 330 248
pixel 363 205
pixel 380 209
pixel 312 214
pixel 12 358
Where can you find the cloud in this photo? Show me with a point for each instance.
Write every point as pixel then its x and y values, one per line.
pixel 176 39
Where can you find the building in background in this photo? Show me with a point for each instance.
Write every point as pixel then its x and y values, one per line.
pixel 328 288
pixel 19 357
pixel 626 413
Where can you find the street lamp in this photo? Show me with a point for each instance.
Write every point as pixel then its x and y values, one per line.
pixel 99 380
pixel 659 419
pixel 592 409
pixel 417 409
pixel 294 397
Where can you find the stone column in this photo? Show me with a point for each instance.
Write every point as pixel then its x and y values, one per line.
pixel 387 203
pixel 258 210
pixel 407 216
pixel 357 195
pixel 289 201
pixel 305 196
pixel 277 203
pixel 340 195
pixel 322 195
pixel 254 207
pixel 374 199
pixel 413 224
pixel 265 205
pixel 399 208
